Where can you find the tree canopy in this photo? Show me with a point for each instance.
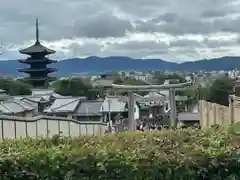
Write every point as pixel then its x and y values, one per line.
pixel 15 87
pixel 174 78
pixel 195 94
pixel 72 87
pixel 129 81
pixel 220 90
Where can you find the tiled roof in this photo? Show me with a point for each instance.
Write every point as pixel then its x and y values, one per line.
pixel 63 105
pixel 15 106
pixel 31 103
pixel 89 108
pixel 43 92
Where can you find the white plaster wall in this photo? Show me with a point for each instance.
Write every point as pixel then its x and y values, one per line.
pixel 137 112
pixel 43 127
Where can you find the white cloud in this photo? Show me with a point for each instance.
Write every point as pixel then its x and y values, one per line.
pixel 172 30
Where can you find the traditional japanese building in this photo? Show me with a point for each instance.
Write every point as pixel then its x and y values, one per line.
pixel 38 70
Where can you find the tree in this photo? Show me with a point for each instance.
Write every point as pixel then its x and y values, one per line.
pixel 15 87
pixel 72 87
pixel 220 90
pixel 129 81
pixel 132 81
pixel 174 78
pixel 194 95
pixel 118 81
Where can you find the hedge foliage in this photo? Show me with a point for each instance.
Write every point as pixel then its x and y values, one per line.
pixel 168 155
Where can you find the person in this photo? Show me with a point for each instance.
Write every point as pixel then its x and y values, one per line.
pixel 109 128
pixel 141 128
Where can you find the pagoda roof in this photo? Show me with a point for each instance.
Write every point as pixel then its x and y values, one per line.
pixel 30 61
pixel 37 78
pixel 37 48
pixel 30 70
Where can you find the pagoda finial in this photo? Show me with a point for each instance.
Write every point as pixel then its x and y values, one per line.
pixel 37 31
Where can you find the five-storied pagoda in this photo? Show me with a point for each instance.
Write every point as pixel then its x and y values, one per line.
pixel 38 70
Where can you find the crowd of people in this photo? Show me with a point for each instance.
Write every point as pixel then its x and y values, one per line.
pixel 141 126
pixel 151 127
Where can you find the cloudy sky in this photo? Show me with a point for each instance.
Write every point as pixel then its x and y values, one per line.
pixel 174 30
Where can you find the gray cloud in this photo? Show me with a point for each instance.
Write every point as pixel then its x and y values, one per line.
pixel 138 8
pixel 101 20
pixel 136 49
pixel 59 19
pixel 168 18
pixel 140 45
pixel 219 43
pixel 206 43
pixel 180 27
pixel 101 26
pixel 191 18
pixel 185 43
pixel 86 49
pixel 214 13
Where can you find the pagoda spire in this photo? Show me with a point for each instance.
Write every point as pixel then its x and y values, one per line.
pixel 37 31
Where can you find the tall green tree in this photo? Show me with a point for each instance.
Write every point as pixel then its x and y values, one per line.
pixel 195 94
pixel 220 90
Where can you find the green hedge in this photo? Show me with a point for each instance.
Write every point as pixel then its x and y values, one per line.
pixel 168 155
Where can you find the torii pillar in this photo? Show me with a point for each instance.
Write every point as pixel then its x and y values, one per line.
pixel 131 111
pixel 173 110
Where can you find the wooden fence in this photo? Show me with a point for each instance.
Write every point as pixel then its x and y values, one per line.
pixel 234 106
pixel 47 126
pixel 211 113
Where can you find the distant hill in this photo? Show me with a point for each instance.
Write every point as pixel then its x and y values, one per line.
pixel 96 65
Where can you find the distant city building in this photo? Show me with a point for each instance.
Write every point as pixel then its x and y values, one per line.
pixel 233 74
pixel 38 71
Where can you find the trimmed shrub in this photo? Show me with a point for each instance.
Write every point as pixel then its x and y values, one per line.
pixel 168 155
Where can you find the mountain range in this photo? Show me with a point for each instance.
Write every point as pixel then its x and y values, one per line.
pixel 97 65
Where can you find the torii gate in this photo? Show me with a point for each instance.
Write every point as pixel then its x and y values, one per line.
pixel 131 89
